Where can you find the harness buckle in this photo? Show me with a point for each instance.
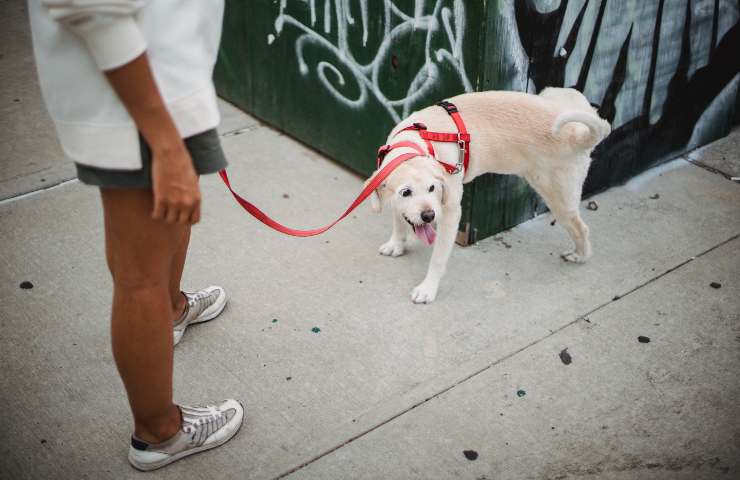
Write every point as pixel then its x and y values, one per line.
pixel 382 152
pixel 449 107
pixel 461 157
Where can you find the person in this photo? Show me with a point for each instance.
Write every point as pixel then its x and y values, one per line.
pixel 129 87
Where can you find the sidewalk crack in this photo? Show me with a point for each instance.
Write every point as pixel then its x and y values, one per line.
pixel 46 188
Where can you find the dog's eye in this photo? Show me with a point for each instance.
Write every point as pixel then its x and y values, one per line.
pixel 431 188
pixel 406 192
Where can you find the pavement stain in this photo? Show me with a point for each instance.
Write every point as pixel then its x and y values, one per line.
pixel 501 240
pixel 470 454
pixel 565 356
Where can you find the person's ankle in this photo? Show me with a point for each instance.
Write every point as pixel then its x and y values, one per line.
pixel 160 430
pixel 179 306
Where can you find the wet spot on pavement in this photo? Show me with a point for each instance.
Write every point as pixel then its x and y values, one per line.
pixel 470 454
pixel 565 356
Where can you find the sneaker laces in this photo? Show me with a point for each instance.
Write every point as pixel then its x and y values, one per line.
pixel 197 296
pixel 201 300
pixel 209 420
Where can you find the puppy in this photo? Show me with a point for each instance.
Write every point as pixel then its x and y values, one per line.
pixel 547 139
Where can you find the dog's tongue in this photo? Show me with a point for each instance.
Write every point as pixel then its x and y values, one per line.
pixel 425 233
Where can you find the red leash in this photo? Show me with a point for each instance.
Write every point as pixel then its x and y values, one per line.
pixel 366 192
pixel 462 138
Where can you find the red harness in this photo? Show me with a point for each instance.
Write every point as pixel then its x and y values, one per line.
pixel 462 138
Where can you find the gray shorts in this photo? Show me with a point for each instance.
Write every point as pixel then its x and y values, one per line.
pixel 205 150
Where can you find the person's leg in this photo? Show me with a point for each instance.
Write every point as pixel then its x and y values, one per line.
pixel 177 299
pixel 140 253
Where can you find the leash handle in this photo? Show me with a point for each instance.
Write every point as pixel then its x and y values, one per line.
pixel 366 192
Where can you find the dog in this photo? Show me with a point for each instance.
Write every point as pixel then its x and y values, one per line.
pixel 546 139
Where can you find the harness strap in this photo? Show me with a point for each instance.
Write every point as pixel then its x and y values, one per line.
pixel 445 137
pixel 376 181
pixel 386 149
pixel 464 136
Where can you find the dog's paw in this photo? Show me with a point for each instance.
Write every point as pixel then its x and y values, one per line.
pixel 573 257
pixel 391 249
pixel 424 293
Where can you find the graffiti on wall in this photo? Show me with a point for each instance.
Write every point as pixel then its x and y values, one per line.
pixel 328 25
pixel 664 73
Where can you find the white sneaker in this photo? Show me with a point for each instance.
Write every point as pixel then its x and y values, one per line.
pixel 202 306
pixel 202 428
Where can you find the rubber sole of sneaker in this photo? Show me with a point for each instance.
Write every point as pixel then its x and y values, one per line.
pixel 185 453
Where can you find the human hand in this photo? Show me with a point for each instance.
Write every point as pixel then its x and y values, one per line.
pixel 175 185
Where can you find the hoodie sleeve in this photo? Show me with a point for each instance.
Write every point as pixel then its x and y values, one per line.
pixel 107 28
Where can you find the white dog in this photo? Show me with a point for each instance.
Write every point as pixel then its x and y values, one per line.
pixel 546 139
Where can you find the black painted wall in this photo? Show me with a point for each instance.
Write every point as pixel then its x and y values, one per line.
pixel 665 73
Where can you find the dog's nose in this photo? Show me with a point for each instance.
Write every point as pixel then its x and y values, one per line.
pixel 427 216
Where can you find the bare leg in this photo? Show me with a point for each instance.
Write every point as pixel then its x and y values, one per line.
pixel 140 253
pixel 426 291
pixel 178 264
pixel 395 246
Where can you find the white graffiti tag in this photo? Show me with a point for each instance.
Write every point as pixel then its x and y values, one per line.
pixel 440 20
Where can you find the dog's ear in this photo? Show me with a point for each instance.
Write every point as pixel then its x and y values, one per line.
pixel 376 202
pixel 443 184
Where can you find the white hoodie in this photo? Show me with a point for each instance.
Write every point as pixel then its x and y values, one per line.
pixel 76 40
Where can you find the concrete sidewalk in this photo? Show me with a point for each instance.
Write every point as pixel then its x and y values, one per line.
pixel 388 389
pixel 472 386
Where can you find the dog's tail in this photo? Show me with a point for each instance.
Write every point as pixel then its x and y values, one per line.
pixel 599 128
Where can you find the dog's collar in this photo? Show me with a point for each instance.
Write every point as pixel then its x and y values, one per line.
pixel 462 138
